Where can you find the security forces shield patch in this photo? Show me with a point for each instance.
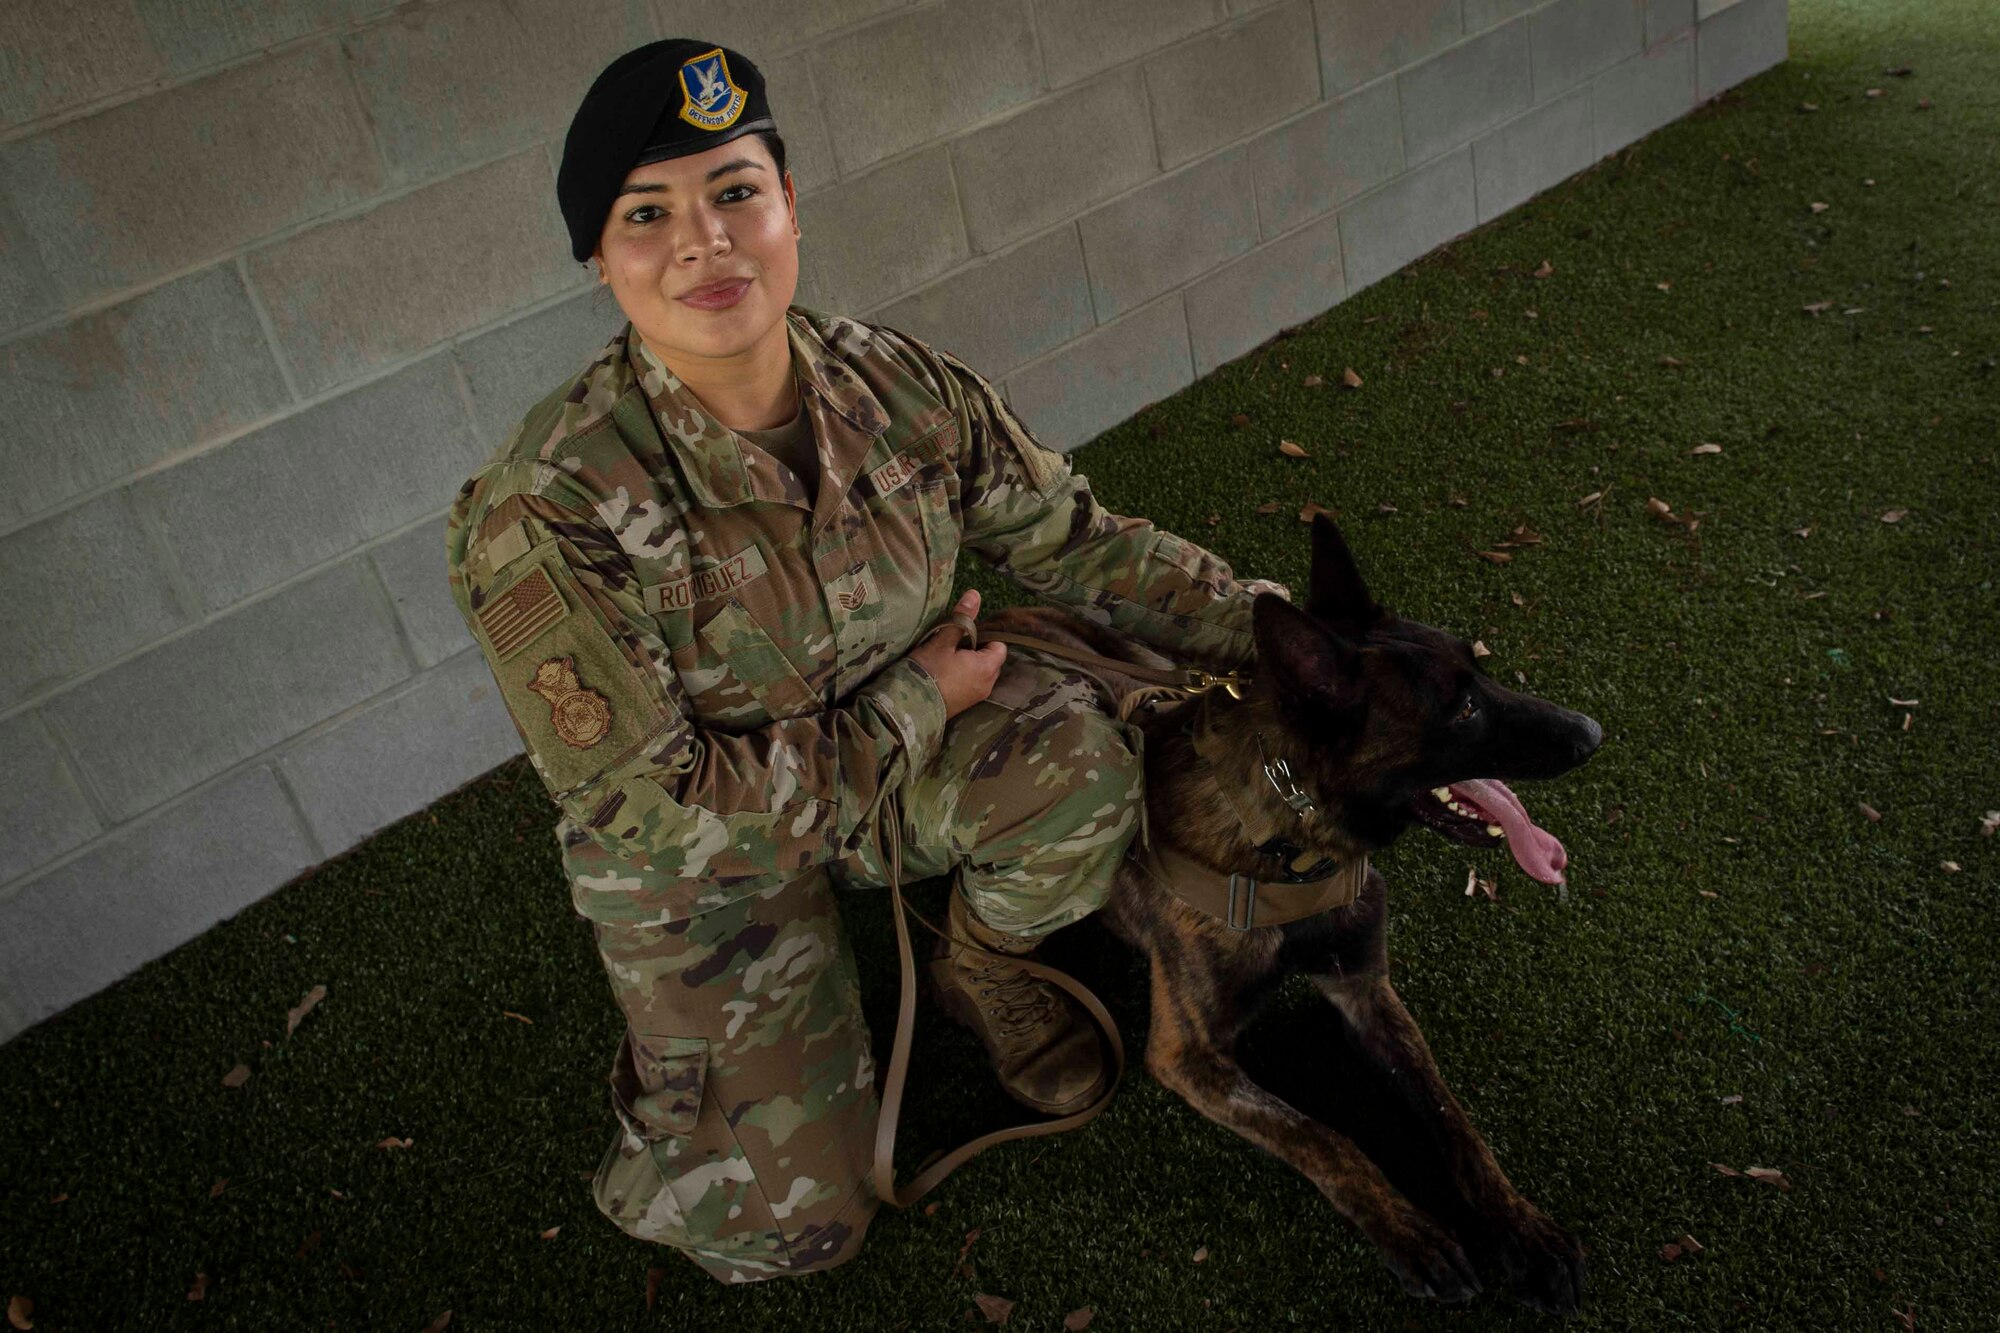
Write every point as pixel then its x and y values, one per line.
pixel 710 98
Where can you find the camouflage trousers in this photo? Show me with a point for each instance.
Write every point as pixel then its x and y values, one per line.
pixel 745 1086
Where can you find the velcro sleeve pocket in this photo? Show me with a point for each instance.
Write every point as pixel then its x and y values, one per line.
pixel 580 705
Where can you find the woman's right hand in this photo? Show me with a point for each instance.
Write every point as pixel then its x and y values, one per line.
pixel 965 675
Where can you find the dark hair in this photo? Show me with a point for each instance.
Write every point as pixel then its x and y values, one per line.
pixel 776 147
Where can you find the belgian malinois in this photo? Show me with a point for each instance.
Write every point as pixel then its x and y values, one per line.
pixel 1384 722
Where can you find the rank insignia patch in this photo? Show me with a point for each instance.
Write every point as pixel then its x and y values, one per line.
pixel 710 98
pixel 581 717
pixel 515 617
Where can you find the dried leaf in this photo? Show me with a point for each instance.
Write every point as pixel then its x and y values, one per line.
pixel 1201 1255
pixel 393 1142
pixel 1949 867
pixel 1497 557
pixel 1513 597
pixel 1817 307
pixel 1725 1170
pixel 1808 106
pixel 653 1276
pixel 1670 1251
pixel 1240 420
pixel 1874 815
pixel 1590 499
pixel 1706 449
pixel 1802 532
pixel 215 1190
pixel 21 1310
pixel 1544 271
pixel 995 1308
pixel 1733 1099
pixel 1672 361
pixel 1292 449
pixel 1270 506
pixel 1384 507
pixel 1894 515
pixel 236 1077
pixel 1456 501
pixel 1350 379
pixel 439 1324
pixel 1076 1321
pixel 1655 505
pixel 1769 1175
pixel 509 1013
pixel 1690 1244
pixel 199 1291
pixel 1313 381
pixel 1872 92
pixel 1479 648
pixel 61 1198
pixel 1901 703
pixel 1924 104
pixel 1214 519
pixel 1821 208
pixel 1988 822
pixel 1912 1112
pixel 1314 507
pixel 294 1016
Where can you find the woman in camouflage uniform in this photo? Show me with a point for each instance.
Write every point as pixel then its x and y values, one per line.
pixel 705 571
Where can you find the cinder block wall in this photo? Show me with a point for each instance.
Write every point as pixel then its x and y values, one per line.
pixel 274 280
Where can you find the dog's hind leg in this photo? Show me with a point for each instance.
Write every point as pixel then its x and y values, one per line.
pixel 1541 1260
pixel 1193 985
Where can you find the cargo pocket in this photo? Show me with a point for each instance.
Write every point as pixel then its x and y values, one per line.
pixel 942 536
pixel 676 1174
pixel 734 641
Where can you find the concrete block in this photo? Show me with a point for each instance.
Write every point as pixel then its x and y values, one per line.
pixel 1705 8
pixel 1286 282
pixel 462 82
pixel 1454 98
pixel 1080 40
pixel 1746 39
pixel 27 292
pixel 515 366
pixel 1483 14
pixel 1052 160
pixel 197 171
pixel 922 75
pixel 146 890
pixel 1406 219
pixel 469 248
pixel 876 236
pixel 42 812
pixel 1080 391
pixel 412 567
pixel 1003 312
pixel 1637 96
pixel 60 54
pixel 153 727
pixel 397 754
pixel 1532 152
pixel 192 35
pixel 84 588
pixel 794 101
pixel 1575 40
pixel 103 396
pixel 1668 18
pixel 768 28
pixel 1169 231
pixel 281 500
pixel 1232 82
pixel 1319 161
pixel 1361 40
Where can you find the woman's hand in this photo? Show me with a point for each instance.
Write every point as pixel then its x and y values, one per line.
pixel 964 675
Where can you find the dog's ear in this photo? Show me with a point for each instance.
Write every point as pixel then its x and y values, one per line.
pixel 1308 660
pixel 1336 593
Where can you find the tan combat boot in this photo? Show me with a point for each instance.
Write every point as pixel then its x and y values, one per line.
pixel 1043 1046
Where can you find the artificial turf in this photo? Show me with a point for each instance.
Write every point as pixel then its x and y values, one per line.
pixel 1735 925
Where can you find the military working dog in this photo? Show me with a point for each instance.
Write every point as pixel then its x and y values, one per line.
pixel 1385 723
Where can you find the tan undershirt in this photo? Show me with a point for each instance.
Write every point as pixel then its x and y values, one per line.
pixel 792 444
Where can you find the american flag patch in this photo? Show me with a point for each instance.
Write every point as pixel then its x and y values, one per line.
pixel 513 619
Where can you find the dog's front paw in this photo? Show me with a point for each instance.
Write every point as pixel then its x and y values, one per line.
pixel 1424 1257
pixel 1542 1261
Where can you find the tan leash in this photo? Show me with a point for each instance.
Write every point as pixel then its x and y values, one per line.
pixel 889 847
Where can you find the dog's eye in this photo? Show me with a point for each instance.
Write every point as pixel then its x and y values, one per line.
pixel 1465 713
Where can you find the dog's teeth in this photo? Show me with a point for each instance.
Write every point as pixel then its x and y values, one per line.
pixel 1442 793
pixel 1496 830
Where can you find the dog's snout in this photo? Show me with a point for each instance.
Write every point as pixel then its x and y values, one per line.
pixel 1589 737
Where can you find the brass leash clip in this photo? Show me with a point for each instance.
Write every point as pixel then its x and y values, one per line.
pixel 1201 681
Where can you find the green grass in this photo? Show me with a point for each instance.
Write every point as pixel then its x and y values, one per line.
pixel 1741 673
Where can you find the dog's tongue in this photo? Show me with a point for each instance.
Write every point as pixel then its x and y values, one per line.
pixel 1535 849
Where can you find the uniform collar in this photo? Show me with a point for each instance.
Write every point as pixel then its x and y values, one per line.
pixel 846 418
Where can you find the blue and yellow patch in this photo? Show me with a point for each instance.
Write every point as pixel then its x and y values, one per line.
pixel 711 100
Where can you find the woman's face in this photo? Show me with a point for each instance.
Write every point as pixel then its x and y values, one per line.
pixel 690 222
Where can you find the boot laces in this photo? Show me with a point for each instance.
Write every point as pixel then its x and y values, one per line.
pixel 1024 1000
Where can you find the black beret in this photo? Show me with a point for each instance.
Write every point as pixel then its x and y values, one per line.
pixel 665 99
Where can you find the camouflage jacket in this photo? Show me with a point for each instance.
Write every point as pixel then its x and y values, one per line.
pixel 710 674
